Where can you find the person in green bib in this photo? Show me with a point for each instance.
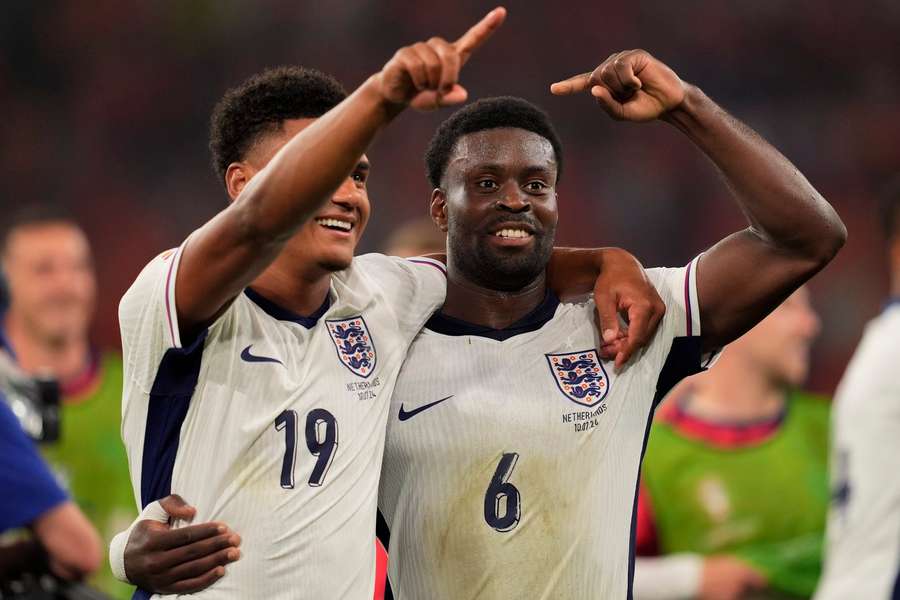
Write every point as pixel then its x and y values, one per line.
pixel 734 486
pixel 46 259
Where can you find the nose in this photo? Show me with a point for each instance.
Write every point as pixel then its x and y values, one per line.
pixel 348 195
pixel 514 200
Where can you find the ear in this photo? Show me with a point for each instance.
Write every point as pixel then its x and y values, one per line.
pixel 439 209
pixel 236 177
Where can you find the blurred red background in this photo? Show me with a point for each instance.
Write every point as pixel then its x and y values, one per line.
pixel 105 107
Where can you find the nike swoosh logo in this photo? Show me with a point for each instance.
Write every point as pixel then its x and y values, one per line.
pixel 404 415
pixel 251 358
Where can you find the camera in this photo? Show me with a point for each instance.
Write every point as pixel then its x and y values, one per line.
pixel 34 400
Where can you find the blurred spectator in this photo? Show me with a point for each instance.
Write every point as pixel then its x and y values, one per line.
pixel 862 558
pixel 93 94
pixel 734 483
pixel 416 238
pixel 47 261
pixel 64 541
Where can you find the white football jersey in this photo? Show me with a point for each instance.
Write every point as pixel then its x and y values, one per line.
pixel 511 463
pixel 272 422
pixel 862 553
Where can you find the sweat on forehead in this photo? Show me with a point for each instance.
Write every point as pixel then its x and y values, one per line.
pixel 485 114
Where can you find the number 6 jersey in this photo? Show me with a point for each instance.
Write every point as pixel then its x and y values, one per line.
pixel 272 422
pixel 512 456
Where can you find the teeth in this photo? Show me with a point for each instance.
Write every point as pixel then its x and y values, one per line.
pixel 512 233
pixel 345 225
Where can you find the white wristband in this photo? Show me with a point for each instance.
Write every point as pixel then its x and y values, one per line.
pixel 671 577
pixel 153 512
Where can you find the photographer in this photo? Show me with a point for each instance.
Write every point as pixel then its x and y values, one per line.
pixel 52 289
pixel 63 541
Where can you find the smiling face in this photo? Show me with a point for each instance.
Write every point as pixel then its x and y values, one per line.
pixel 497 202
pixel 780 344
pixel 51 280
pixel 329 239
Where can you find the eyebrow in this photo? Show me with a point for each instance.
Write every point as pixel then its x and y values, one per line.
pixel 363 165
pixel 498 167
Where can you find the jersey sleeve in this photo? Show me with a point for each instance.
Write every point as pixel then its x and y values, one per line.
pixel 681 349
pixel 148 320
pixel 414 287
pixel 29 488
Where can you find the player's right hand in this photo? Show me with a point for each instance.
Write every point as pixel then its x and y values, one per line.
pixel 425 75
pixel 178 561
pixel 728 578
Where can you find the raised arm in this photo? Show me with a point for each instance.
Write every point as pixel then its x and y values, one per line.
pixel 234 247
pixel 792 231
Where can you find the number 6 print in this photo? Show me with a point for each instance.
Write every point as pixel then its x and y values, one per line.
pixel 321 441
pixel 500 489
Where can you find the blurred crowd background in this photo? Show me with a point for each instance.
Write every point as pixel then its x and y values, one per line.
pixel 105 108
pixel 105 111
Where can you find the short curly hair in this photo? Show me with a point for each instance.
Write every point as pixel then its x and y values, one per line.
pixel 262 103
pixel 487 113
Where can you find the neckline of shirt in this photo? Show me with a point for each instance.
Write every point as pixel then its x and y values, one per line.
pixel 282 314
pixel 726 435
pixel 537 318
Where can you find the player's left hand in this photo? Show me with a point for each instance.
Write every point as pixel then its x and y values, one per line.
pixel 624 289
pixel 630 86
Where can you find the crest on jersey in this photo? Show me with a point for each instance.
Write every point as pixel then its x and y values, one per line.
pixel 353 343
pixel 580 376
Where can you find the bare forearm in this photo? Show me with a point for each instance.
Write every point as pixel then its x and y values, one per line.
pixel 308 169
pixel 783 208
pixel 232 249
pixel 73 545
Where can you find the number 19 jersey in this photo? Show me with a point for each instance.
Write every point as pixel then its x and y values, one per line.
pixel 512 456
pixel 272 422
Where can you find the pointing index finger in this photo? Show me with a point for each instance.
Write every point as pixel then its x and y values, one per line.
pixel 572 85
pixel 479 33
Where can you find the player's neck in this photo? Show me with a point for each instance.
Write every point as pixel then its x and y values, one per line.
pixel 301 291
pixel 736 394
pixel 487 307
pixel 63 359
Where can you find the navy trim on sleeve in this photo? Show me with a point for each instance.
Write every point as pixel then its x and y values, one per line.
pixel 170 397
pixel 684 359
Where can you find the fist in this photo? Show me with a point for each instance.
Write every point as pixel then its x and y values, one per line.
pixel 728 578
pixel 426 75
pixel 630 86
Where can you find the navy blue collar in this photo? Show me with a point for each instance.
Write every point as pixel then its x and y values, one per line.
pixel 441 323
pixel 283 314
pixel 891 302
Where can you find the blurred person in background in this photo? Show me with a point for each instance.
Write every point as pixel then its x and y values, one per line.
pixel 62 541
pixel 862 556
pixel 417 237
pixel 47 260
pixel 735 483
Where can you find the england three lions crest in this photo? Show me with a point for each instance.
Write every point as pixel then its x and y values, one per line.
pixel 354 344
pixel 580 376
